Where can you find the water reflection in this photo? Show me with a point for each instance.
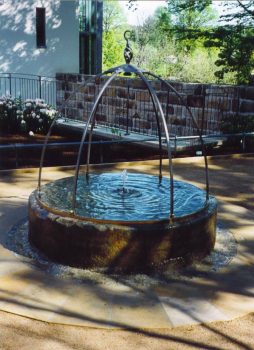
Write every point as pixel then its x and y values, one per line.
pixel 145 197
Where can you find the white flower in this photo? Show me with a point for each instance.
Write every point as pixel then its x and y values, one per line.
pixel 29 100
pixel 33 115
pixel 28 104
pixel 39 101
pixel 40 120
pixel 19 111
pixel 1 103
pixel 31 133
pixel 52 112
pixel 23 122
pixel 43 110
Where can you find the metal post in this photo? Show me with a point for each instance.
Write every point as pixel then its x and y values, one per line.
pixel 90 120
pixel 244 143
pixel 10 83
pixel 127 121
pixel 195 124
pixel 39 86
pixel 203 109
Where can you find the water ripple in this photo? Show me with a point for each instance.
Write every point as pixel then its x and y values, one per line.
pixel 143 197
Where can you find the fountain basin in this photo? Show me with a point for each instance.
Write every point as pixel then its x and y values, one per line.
pixel 121 230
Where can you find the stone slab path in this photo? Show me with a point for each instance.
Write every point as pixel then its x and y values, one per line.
pixel 213 291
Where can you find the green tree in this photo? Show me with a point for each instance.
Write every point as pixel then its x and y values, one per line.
pixel 240 11
pixel 188 18
pixel 159 50
pixel 114 25
pixel 152 46
pixel 236 52
pixel 233 39
pixel 113 16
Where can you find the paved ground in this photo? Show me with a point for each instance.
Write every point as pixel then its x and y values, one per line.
pixel 155 314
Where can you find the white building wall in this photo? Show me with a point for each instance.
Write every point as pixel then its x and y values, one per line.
pixel 18 51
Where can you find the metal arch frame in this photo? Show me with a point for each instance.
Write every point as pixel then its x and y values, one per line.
pixel 157 106
pixel 90 118
pixel 137 72
pixel 156 101
pixel 195 124
pixel 58 116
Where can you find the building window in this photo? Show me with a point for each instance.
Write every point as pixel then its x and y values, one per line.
pixel 90 36
pixel 40 27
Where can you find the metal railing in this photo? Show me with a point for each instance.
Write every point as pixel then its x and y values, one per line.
pixel 29 86
pixel 243 142
pixel 126 106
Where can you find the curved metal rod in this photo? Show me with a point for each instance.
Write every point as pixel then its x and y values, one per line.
pixel 160 144
pixel 196 126
pixel 44 150
pixel 50 131
pixel 90 118
pixel 89 147
pixel 156 101
pixel 159 135
pixel 125 35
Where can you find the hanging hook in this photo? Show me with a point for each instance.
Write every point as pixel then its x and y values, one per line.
pixel 128 53
pixel 125 36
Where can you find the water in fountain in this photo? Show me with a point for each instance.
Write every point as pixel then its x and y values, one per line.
pixel 124 176
pixel 105 196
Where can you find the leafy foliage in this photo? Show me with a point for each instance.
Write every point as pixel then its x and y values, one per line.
pixel 159 49
pixel 113 16
pixel 236 51
pixel 185 40
pixel 234 40
pixel 132 5
pixel 114 24
pixel 17 116
pixel 10 119
pixel 237 124
pixel 239 11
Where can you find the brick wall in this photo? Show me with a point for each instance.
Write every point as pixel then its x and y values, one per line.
pixel 126 103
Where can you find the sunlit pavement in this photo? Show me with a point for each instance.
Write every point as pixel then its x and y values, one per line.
pixel 30 289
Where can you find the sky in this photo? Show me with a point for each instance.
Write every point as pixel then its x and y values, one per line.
pixel 145 9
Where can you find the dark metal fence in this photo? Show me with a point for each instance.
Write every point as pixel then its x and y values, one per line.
pixel 28 86
pixel 127 107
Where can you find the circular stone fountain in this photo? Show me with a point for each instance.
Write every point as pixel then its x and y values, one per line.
pixel 118 221
pixel 121 229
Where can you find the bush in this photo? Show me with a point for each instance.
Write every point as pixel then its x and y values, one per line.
pixel 31 116
pixel 237 124
pixel 38 116
pixel 10 119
